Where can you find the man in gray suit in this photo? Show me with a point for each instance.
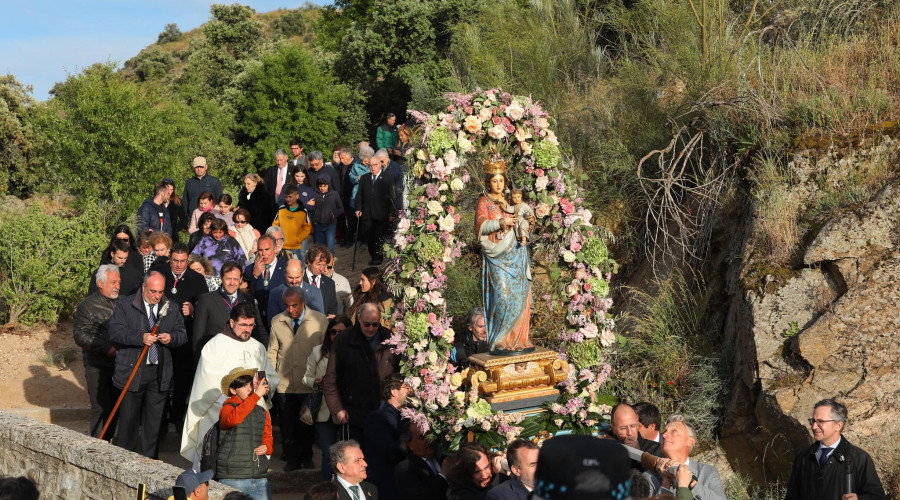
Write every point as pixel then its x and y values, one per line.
pixel 677 440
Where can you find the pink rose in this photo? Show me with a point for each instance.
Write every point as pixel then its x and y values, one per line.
pixel 496 120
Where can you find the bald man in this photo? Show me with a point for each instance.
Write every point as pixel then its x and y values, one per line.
pixel 625 427
pixel 293 273
pixel 130 330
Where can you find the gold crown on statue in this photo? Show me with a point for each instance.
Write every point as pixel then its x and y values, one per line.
pixel 494 165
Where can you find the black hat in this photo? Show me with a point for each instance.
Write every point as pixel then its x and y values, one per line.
pixel 582 468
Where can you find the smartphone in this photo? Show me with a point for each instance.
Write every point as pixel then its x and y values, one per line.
pixel 178 493
pixel 141 492
pixel 260 375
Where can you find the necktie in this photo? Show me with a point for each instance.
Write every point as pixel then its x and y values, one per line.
pixel 153 352
pixel 823 457
pixel 296 323
pixel 266 277
pixel 355 490
pixel 280 183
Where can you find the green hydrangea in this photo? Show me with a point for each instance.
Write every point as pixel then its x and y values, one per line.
pixel 599 287
pixel 585 354
pixel 594 252
pixel 479 409
pixel 416 326
pixel 439 141
pixel 430 248
pixel 546 155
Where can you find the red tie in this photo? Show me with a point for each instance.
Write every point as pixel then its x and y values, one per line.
pixel 280 183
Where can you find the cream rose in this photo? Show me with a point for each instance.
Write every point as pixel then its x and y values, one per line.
pixel 541 183
pixel 542 123
pixel 526 148
pixel 607 338
pixel 464 144
pixel 515 111
pixel 589 331
pixel 542 210
pixel 569 256
pixel 421 154
pixel 411 292
pixel 403 225
pixel 550 137
pixel 485 114
pixel 434 207
pixel 522 134
pixel 457 184
pixel 446 223
pixel 497 132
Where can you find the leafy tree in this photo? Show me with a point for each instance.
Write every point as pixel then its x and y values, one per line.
pixel 110 139
pixel 170 33
pixel 288 95
pixel 296 23
pixel 215 65
pixel 17 138
pixel 151 64
pixel 390 48
pixel 45 263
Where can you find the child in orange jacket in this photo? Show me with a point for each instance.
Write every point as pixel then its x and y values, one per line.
pixel 245 438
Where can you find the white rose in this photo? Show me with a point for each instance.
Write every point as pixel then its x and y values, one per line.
pixel 569 256
pixel 457 184
pixel 446 223
pixel 465 145
pixel 514 111
pixel 432 357
pixel 411 292
pixel 497 132
pixel 443 198
pixel 607 338
pixel 586 215
pixel 434 207
pixel 449 336
pixel 541 183
pixel 403 225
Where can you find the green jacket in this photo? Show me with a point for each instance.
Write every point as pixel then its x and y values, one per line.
pixel 235 458
pixel 386 136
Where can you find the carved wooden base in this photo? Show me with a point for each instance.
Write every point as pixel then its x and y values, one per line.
pixel 529 376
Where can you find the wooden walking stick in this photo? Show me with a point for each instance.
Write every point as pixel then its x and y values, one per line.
pixel 162 312
pixel 355 242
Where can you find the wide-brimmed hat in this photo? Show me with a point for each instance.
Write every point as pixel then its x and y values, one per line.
pixel 233 374
pixel 582 468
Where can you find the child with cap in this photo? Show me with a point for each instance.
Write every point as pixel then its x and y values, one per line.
pixel 195 484
pixel 245 438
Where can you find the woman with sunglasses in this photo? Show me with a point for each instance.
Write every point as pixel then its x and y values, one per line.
pixel 315 372
pixel 244 233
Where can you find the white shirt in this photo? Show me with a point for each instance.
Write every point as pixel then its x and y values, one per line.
pixel 347 486
pixel 830 448
pixel 313 278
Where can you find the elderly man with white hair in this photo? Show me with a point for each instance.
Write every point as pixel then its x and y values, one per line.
pixel 91 330
pixel 678 439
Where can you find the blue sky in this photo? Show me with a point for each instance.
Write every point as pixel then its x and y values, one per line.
pixel 41 41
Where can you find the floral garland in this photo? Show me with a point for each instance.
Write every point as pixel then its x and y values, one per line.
pixel 564 239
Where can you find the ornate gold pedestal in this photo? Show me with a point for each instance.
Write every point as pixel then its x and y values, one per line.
pixel 503 379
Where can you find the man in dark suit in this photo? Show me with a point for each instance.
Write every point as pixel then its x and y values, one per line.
pixel 130 329
pixel 522 456
pixel 183 287
pixel 276 177
pixel 214 309
pixel 625 426
pixel 382 431
pixel 293 273
pixel 376 206
pixel 349 467
pixel 420 474
pixel 317 259
pixel 264 274
pixel 359 361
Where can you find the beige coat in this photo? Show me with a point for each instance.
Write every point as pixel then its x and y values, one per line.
pixel 315 368
pixel 289 352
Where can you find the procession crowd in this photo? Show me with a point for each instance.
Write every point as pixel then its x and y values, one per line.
pixel 224 320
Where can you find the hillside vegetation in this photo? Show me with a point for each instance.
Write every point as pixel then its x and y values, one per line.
pixel 677 111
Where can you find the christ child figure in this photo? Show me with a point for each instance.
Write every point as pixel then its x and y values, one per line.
pixel 523 214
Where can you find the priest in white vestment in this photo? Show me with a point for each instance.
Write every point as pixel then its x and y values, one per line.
pixel 230 349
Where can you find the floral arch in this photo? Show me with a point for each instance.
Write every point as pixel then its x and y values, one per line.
pixel 566 246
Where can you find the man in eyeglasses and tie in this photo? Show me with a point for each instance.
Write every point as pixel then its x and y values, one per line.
pixel 294 334
pixel 266 273
pixel 832 468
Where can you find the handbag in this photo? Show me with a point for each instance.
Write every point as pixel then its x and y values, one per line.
pixel 311 408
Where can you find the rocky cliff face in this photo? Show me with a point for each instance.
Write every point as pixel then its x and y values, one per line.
pixel 827 327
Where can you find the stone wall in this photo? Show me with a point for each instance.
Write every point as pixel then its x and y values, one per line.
pixel 68 465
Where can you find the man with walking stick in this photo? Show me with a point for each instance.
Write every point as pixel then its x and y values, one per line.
pixel 144 329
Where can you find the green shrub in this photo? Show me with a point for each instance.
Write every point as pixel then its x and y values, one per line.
pixel 45 263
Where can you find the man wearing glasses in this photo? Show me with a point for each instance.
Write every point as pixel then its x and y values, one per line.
pixel 358 364
pixel 832 468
